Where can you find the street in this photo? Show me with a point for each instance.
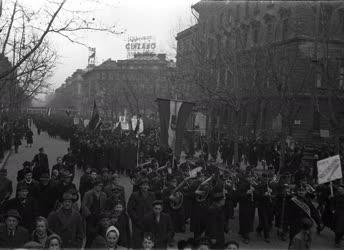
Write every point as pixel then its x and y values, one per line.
pixel 57 147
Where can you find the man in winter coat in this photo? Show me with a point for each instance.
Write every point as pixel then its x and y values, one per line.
pixel 41 164
pixel 25 205
pixel 67 223
pixel 139 204
pixel 160 225
pixel 44 198
pixel 11 234
pixel 93 204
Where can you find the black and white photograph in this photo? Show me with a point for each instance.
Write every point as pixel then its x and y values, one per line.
pixel 172 124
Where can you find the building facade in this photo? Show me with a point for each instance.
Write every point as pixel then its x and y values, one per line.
pixel 267 67
pixel 130 85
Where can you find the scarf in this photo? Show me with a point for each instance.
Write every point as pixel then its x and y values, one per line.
pixel 301 204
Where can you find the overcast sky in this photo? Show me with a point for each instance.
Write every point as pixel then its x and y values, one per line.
pixel 159 18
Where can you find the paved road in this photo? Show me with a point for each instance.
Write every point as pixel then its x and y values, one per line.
pixel 58 147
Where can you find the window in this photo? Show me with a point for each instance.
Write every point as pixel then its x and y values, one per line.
pixel 256 9
pixel 255 35
pixel 110 76
pixel 98 75
pixel 244 37
pixel 269 31
pixel 341 77
pixel 247 9
pixel 318 80
pixel 103 75
pixel 285 28
pixel 341 19
pixel 238 12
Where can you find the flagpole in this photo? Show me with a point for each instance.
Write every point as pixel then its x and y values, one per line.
pixel 175 137
pixel 138 150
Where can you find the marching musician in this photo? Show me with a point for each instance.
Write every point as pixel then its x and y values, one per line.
pixel 265 207
pixel 173 204
pixel 215 229
pixel 246 199
pixel 338 201
pixel 200 204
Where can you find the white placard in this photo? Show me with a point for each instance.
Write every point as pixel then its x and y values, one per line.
pixel 86 122
pixel 324 133
pixel 329 169
pixel 76 121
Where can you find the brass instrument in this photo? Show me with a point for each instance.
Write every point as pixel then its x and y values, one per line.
pixel 176 198
pixel 204 189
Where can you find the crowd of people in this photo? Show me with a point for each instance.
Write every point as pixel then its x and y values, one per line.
pixel 50 211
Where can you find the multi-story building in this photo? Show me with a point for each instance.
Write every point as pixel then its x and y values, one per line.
pixel 68 95
pixel 268 67
pixel 132 85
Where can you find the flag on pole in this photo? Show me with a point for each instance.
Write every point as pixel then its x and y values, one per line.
pixel 0 7
pixel 173 116
pixel 137 124
pixel 95 121
pixel 48 111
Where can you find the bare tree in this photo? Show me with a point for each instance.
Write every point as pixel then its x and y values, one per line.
pixel 24 38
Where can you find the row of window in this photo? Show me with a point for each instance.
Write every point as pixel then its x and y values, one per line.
pixel 224 78
pixel 104 76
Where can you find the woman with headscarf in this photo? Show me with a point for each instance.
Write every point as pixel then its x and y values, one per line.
pixel 111 240
pixel 53 242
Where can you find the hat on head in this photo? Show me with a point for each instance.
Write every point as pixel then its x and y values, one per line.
pixel 142 181
pixel 97 181
pixel 41 149
pixel 112 229
pixel 26 164
pixel 66 173
pixel 67 196
pixel 13 213
pixel 44 176
pixel 105 170
pixel 27 171
pixel 157 202
pixel 22 186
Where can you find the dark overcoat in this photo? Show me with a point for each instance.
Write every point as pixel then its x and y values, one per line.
pixel 69 226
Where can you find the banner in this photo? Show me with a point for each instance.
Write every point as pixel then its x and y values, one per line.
pixel 329 169
pixel 76 120
pixel 173 116
pixel 137 124
pixel 124 123
pixel 95 119
pixel 86 122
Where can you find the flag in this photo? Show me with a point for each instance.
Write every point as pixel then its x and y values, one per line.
pixel 48 111
pixel 137 124
pixel 173 116
pixel 95 121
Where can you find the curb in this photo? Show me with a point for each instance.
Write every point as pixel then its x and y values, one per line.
pixel 4 161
